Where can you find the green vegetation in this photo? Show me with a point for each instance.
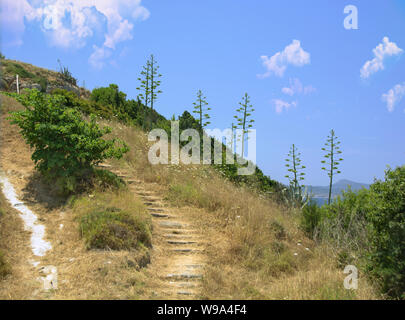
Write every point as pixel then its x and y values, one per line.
pixel 4 266
pixel 66 75
pixel 367 228
pixel 113 220
pixel 149 82
pixel 364 228
pixel 386 217
pixel 13 69
pixel 114 229
pixel 332 153
pixel 65 146
pixel 295 176
pixel 243 120
pixel 201 110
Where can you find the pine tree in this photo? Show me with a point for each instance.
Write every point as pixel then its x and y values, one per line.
pixel 332 153
pixel 201 110
pixel 243 122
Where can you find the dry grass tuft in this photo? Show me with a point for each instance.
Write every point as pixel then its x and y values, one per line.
pixel 113 220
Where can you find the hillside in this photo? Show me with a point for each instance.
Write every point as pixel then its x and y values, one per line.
pixel 143 231
pixel 33 77
pixel 338 187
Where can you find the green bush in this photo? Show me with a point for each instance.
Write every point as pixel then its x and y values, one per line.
pixel 367 228
pixel 85 106
pixel 114 229
pixel 110 96
pixel 65 146
pixel 387 232
pixel 311 218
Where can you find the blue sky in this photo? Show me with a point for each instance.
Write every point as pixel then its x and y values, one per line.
pixel 296 60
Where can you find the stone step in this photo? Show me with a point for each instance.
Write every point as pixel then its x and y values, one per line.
pixel 152 203
pixel 194 266
pixel 184 276
pixel 180 284
pixel 179 242
pixel 179 232
pixel 160 215
pixel 156 210
pixel 145 194
pixel 187 250
pixel 151 198
pixel 185 293
pixel 178 236
pixel 172 225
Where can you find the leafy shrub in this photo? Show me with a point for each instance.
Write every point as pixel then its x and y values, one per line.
pixel 65 146
pixel 105 179
pixel 387 230
pixel 109 96
pixel 43 83
pixel 114 229
pixel 367 227
pixel 311 218
pixel 85 106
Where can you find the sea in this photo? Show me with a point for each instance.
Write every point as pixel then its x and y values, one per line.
pixel 320 201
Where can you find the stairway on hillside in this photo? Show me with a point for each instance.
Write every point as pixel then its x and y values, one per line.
pixel 177 257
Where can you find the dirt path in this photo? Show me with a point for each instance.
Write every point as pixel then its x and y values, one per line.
pixel 16 170
pixel 177 259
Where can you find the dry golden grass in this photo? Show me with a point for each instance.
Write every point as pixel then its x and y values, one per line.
pixel 95 274
pixel 82 273
pixel 256 249
pixel 14 243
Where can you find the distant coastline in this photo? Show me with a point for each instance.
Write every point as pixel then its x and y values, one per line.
pixel 320 193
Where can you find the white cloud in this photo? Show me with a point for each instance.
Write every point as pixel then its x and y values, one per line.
pixel 283 105
pixel 12 14
pixel 394 96
pixel 71 23
pixel 296 87
pixel 292 54
pixel 98 56
pixel 383 50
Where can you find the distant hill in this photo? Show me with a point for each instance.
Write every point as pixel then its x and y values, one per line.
pixel 338 187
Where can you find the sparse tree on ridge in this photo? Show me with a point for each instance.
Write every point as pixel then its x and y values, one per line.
pixel 201 110
pixel 332 149
pixel 154 80
pixel 243 122
pixel 145 84
pixel 295 175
